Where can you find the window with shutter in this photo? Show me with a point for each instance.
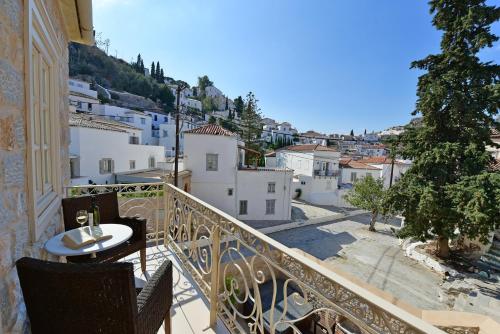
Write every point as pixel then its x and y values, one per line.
pixel 43 70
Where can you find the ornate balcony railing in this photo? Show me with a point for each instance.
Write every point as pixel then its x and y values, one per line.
pixel 254 283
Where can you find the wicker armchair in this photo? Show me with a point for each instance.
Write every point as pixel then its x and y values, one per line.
pixel 94 297
pixel 109 212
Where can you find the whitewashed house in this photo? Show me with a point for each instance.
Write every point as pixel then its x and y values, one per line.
pixel 81 96
pixel 385 165
pixel 135 118
pixel 313 137
pixel 316 169
pixel 370 150
pixel 352 170
pixel 193 103
pixel 213 91
pixel 166 135
pixel 273 131
pixel 101 147
pixel 214 156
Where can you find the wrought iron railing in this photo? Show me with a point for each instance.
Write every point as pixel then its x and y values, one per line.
pixel 254 283
pixel 145 200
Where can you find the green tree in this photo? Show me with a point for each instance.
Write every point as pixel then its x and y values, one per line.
pixel 203 82
pixel 239 105
pixel 167 98
pixel 250 124
pixel 458 97
pixel 208 104
pixel 368 194
pixel 227 104
pixel 162 76
pixel 152 70
pixel 352 133
pixel 212 120
pixel 195 91
pixel 158 72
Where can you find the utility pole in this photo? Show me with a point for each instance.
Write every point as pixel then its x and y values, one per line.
pixel 392 172
pixel 176 164
pixel 177 133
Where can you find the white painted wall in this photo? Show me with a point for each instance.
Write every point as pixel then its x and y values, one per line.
pixel 135 118
pixel 81 87
pixel 212 186
pixel 92 145
pixel 345 174
pixel 252 186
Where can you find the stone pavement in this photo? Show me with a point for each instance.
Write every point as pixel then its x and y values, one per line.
pixel 378 259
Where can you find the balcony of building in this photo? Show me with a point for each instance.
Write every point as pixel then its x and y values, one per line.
pixel 319 173
pixel 231 278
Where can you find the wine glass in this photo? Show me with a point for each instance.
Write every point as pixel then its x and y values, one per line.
pixel 81 217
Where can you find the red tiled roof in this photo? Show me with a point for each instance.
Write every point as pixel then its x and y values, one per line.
pixel 376 160
pixel 211 129
pixel 349 163
pixel 308 147
pixel 495 133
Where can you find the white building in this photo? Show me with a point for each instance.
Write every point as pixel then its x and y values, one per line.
pixel 385 165
pixel 214 156
pixel 192 103
pixel 352 170
pixel 316 169
pixel 135 118
pixel 100 147
pixel 273 132
pixel 166 135
pixel 370 150
pixel 81 96
pixel 313 137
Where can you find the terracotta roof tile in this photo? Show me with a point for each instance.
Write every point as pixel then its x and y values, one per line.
pixel 308 147
pixel 211 129
pixel 349 163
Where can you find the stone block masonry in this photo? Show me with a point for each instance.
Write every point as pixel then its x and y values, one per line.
pixel 15 239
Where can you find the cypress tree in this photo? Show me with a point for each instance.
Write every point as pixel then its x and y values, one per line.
pixel 158 72
pixel 153 71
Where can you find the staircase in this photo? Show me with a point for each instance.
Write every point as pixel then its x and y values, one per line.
pixel 492 257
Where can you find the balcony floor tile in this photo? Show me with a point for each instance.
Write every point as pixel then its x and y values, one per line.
pixel 190 310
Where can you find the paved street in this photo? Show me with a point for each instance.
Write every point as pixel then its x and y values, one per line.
pixel 373 257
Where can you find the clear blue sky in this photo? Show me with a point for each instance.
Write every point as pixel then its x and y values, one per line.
pixel 331 65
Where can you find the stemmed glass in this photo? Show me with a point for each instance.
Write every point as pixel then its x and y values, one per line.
pixel 82 217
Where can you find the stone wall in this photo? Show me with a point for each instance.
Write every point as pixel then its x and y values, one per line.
pixel 15 241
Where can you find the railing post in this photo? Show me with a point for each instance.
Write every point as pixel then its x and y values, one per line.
pixel 214 280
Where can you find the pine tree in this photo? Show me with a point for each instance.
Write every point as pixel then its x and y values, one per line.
pixel 250 125
pixel 153 71
pixel 448 186
pixel 158 71
pixel 352 133
pixel 227 104
pixel 162 76
pixel 239 105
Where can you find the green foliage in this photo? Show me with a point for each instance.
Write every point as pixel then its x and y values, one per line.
pixel 239 105
pixel 458 98
pixel 115 73
pixel 102 99
pixel 212 120
pixel 228 125
pixel 476 199
pixel 352 133
pixel 203 82
pixel 208 104
pixel 230 284
pixel 368 194
pixel 250 124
